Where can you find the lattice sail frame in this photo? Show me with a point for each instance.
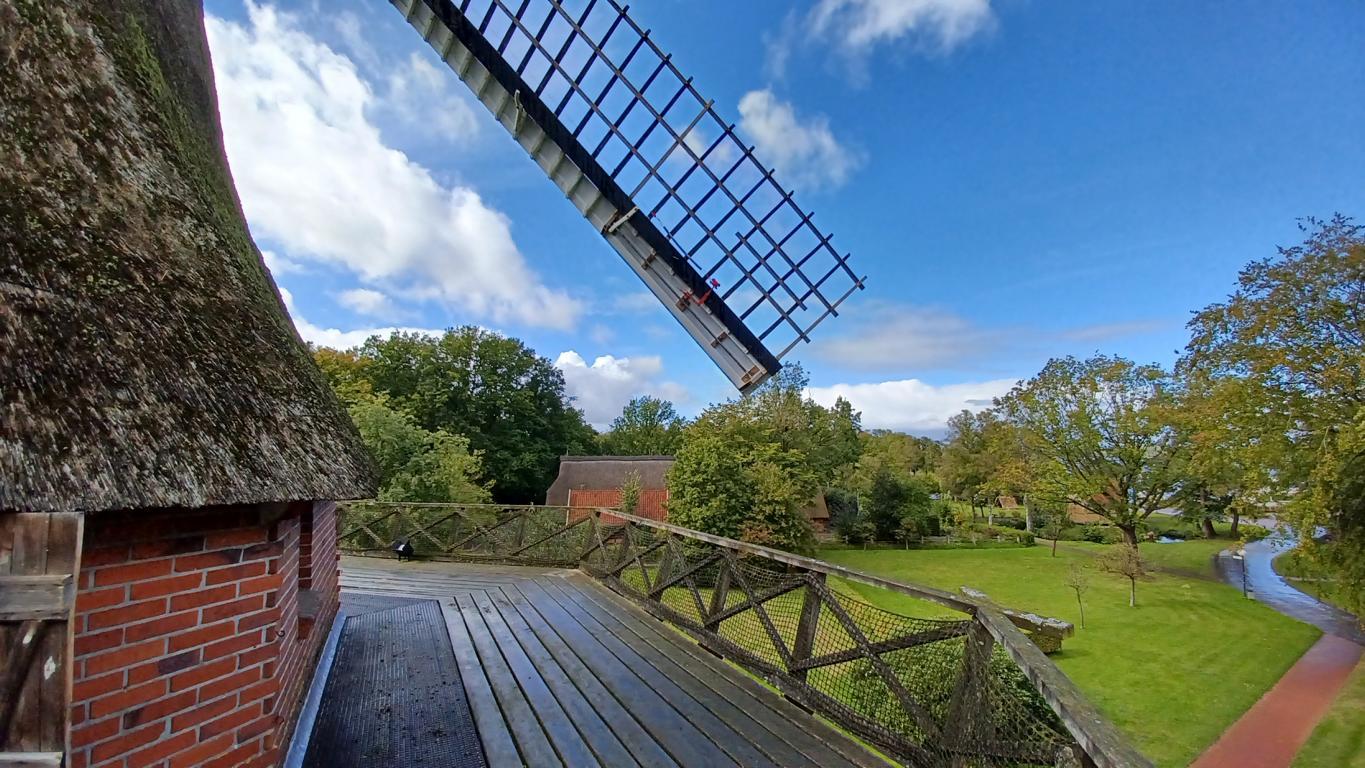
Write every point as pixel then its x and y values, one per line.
pixel 648 161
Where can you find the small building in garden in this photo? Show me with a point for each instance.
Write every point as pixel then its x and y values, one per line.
pixel 169 452
pixel 589 482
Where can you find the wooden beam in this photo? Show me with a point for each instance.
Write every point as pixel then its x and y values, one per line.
pixel 30 759
pixel 35 598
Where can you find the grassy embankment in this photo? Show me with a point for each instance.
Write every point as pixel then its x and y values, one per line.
pixel 1173 672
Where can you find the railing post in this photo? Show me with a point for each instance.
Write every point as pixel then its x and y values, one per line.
pixel 719 596
pixel 807 625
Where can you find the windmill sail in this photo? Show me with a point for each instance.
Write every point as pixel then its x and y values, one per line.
pixel 647 160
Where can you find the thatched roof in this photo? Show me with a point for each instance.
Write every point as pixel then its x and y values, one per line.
pixel 148 360
pixel 605 473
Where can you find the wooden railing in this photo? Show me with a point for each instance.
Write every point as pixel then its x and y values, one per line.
pixel 958 685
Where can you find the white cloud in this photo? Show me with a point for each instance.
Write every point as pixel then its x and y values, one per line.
pixel 910 405
pixel 315 175
pixel 602 389
pixel 368 302
pixel 337 338
pixel 420 94
pixel 802 149
pixel 884 335
pixel 934 25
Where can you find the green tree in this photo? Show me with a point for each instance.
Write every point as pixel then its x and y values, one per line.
pixel 647 426
pixel 630 493
pixel 1289 343
pixel 415 464
pixel 891 501
pixel 963 468
pixel 748 467
pixel 1100 432
pixel 903 455
pixel 509 402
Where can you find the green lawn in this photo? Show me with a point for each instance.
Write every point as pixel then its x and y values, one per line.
pixel 1339 740
pixel 1173 672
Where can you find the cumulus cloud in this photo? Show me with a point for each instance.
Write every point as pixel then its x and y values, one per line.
pixel 910 405
pixel 368 302
pixel 934 25
pixel 279 265
pixel 419 93
pixel 336 338
pixel 315 176
pixel 887 335
pixel 602 389
pixel 802 149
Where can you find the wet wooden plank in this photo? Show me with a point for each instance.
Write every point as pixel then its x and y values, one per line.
pixel 651 705
pixel 532 742
pixel 498 746
pixel 820 742
pixel 622 723
pixel 706 685
pixel 699 714
pixel 566 739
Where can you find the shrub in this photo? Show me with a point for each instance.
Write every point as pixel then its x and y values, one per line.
pixel 1253 532
pixel 984 532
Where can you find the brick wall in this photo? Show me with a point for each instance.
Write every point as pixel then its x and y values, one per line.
pixel 187 647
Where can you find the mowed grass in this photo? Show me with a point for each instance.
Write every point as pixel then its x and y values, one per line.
pixel 1173 673
pixel 1339 740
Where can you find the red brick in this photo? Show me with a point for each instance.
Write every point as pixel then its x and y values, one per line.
pixel 89 688
pixel 236 608
pixel 237 538
pixel 158 710
pixel 192 758
pixel 204 712
pixel 230 683
pixel 258 620
pixel 127 742
pixel 99 731
pixel 202 674
pixel 202 636
pixel 256 655
pixel 93 600
pixel 236 758
pixel 160 750
pixel 259 691
pixel 96 557
pixel 135 571
pixel 232 645
pixel 229 721
pixel 207 560
pixel 262 584
pixel 262 551
pixel 255 728
pixel 128 698
pixel 203 597
pixel 87 643
pixel 146 550
pixel 163 626
pixel 234 573
pixel 126 614
pixel 165 586
pixel 124 657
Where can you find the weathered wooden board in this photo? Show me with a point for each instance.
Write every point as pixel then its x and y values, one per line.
pixel 39 554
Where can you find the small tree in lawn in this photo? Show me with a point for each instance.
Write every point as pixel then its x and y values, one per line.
pixel 630 493
pixel 1052 529
pixel 1126 562
pixel 909 530
pixel 1078 579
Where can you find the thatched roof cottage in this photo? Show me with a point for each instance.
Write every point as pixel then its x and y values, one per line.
pixel 168 450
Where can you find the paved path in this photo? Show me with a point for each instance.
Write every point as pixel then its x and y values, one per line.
pixel 1270 734
pixel 1270 588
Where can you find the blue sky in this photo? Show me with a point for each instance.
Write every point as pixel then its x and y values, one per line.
pixel 1018 180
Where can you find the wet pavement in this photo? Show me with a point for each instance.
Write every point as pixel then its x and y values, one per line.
pixel 1273 590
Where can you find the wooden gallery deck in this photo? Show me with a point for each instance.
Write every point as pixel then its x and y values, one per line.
pixel 559 670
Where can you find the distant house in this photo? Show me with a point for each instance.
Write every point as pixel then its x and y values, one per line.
pixel 1078 514
pixel 169 452
pixel 588 482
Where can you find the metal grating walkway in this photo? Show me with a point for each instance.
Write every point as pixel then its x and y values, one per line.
pixel 393 694
pixel 560 671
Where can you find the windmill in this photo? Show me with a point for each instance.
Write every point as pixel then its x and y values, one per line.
pixel 647 160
